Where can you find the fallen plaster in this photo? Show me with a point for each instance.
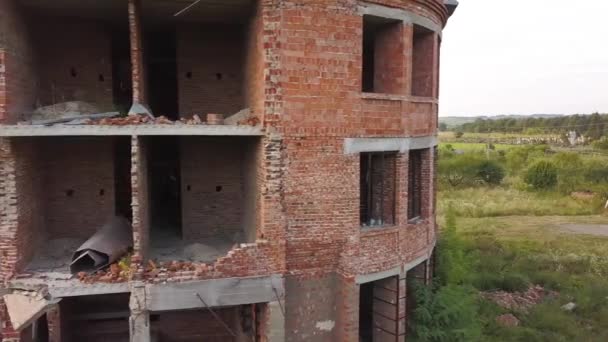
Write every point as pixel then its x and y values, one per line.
pixel 325 325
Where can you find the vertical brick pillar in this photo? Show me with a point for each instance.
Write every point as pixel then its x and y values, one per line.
pixel 53 316
pixel 8 208
pixel 137 55
pixel 389 309
pixel 8 333
pixel 347 303
pixel 3 88
pixel 139 203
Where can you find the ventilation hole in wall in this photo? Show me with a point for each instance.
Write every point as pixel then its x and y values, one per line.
pixel 101 78
pixel 102 192
pixel 218 188
pixel 69 192
pixel 73 72
pixel 189 75
pixel 188 188
pixel 219 76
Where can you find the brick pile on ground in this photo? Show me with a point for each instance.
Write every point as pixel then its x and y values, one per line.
pixel 520 301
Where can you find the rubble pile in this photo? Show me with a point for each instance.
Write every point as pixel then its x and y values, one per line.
pixel 174 269
pixel 113 274
pixel 162 120
pixel 521 301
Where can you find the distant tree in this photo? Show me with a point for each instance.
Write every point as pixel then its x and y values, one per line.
pixel 542 175
pixel 490 172
pixel 443 127
pixel 458 134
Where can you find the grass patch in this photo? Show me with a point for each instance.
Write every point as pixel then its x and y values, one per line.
pixel 500 201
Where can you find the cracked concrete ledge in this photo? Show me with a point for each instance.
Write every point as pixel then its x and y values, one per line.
pixel 129 130
pixel 359 145
pixel 399 14
pixel 215 293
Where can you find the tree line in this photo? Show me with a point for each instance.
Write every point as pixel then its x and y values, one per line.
pixel 593 126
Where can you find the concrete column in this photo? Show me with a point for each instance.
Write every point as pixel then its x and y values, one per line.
pixel 139 322
pixel 276 322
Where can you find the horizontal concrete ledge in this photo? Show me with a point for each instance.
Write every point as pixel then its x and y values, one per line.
pixel 395 271
pixel 399 14
pixel 395 97
pixel 95 130
pixel 215 293
pixel 359 145
pixel 69 288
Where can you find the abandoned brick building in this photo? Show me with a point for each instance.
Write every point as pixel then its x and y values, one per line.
pixel 271 161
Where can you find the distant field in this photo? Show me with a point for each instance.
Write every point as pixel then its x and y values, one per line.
pixel 474 146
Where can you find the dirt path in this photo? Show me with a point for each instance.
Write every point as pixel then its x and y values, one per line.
pixel 589 229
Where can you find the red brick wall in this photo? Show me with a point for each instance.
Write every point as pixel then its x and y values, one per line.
pixel 254 73
pixel 213 179
pixel 21 224
pixel 210 69
pixel 75 67
pixel 390 59
pixel 424 63
pixel 140 198
pixel 17 76
pixel 86 167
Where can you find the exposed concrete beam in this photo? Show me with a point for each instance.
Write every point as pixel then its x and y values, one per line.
pixel 359 145
pixel 215 293
pixel 68 288
pixel 399 14
pixel 139 130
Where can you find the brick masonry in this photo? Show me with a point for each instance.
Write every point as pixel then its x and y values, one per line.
pixel 206 83
pixel 294 193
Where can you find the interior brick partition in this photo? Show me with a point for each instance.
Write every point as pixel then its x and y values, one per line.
pixel 213 177
pixel 79 185
pixel 86 75
pixel 140 202
pixel 21 226
pixel 210 69
pixel 17 76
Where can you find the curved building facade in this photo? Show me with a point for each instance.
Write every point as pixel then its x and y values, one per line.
pixel 275 160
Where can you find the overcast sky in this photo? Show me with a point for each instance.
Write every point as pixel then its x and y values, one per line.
pixel 525 57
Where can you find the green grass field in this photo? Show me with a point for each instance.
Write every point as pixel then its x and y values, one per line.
pixel 509 238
